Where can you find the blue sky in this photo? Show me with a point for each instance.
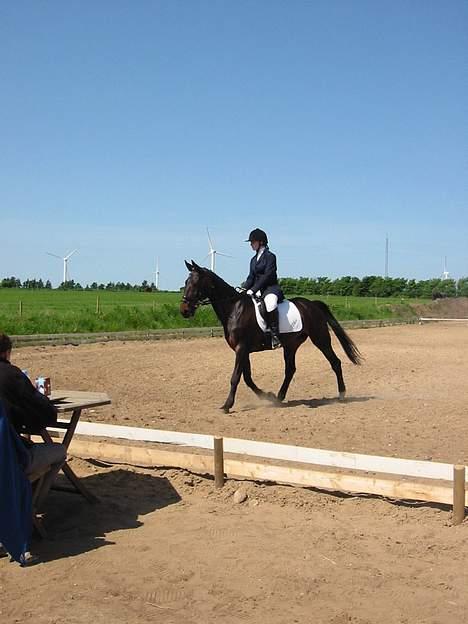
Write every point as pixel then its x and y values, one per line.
pixel 128 127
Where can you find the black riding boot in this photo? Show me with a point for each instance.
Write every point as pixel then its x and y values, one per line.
pixel 273 324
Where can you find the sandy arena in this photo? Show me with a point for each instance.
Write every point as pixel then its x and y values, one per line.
pixel 164 546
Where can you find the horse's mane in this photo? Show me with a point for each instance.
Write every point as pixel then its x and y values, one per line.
pixel 221 285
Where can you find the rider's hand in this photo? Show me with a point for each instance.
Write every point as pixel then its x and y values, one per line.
pixel 250 292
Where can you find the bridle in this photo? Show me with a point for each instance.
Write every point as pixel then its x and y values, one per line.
pixel 207 301
pixel 195 304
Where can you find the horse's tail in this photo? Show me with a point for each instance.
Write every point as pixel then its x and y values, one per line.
pixel 348 345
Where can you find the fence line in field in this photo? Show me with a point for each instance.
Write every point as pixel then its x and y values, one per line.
pixel 169 334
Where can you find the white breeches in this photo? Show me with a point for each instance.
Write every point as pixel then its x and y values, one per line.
pixel 271 302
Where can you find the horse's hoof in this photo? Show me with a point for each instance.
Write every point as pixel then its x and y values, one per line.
pixel 342 396
pixel 225 409
pixel 280 398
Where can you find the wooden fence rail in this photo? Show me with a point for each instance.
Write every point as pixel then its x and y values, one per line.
pixel 170 334
pixel 435 482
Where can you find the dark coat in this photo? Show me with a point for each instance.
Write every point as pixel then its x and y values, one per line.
pixel 263 275
pixel 28 410
pixel 16 501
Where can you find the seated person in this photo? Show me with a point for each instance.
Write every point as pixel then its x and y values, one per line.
pixel 28 410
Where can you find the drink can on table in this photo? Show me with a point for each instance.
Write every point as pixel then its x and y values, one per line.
pixel 43 385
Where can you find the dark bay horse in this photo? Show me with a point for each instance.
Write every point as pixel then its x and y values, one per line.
pixel 237 314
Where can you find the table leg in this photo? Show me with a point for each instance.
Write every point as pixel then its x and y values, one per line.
pixel 46 485
pixel 37 521
pixel 37 524
pixel 78 485
pixel 67 471
pixel 71 428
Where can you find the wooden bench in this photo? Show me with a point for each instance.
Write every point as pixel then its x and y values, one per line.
pixel 37 480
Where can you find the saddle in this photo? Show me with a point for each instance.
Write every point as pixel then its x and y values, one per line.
pixel 290 320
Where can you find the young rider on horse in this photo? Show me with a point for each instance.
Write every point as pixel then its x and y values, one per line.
pixel 263 281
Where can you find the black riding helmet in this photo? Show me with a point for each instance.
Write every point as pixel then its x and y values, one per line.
pixel 258 235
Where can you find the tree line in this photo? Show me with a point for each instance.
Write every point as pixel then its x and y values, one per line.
pixel 375 286
pixel 368 286
pixel 14 282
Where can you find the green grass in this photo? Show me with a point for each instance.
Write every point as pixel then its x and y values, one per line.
pixel 357 308
pixel 51 312
pixel 65 299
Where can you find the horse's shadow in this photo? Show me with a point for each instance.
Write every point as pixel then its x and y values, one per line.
pixel 271 399
pixel 324 401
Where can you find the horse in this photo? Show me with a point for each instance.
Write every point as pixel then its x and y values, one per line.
pixel 236 312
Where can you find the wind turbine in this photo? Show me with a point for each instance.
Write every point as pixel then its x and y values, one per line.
pixel 157 274
pixel 65 262
pixel 445 274
pixel 213 253
pixel 386 255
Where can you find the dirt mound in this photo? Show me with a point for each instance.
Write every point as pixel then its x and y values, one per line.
pixel 443 308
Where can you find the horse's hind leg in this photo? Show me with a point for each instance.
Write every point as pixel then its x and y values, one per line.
pixel 289 354
pixel 323 342
pixel 247 372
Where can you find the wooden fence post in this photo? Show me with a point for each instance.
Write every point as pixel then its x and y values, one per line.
pixel 458 494
pixel 218 462
pixel 20 309
pixel 98 307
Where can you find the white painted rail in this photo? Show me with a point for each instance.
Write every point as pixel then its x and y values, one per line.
pixel 268 450
pixel 456 320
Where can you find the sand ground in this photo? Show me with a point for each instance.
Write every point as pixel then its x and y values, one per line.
pixel 166 546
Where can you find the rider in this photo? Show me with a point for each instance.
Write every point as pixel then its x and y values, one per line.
pixel 263 281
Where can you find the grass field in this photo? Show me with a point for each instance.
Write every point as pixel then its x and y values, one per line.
pixel 55 311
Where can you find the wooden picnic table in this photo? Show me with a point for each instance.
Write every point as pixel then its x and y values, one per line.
pixel 74 402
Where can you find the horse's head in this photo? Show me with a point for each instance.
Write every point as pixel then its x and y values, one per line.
pixel 198 286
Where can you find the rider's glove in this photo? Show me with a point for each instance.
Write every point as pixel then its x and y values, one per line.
pixel 250 292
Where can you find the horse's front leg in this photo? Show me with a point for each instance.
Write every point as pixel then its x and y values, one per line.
pixel 289 355
pixel 241 356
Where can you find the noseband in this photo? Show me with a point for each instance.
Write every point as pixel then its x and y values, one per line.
pixel 195 304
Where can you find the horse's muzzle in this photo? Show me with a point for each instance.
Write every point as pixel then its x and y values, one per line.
pixel 187 309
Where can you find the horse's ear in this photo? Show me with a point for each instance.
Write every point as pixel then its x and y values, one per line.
pixel 189 266
pixel 195 266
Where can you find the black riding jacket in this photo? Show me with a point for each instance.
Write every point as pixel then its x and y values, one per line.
pixel 263 275
pixel 29 411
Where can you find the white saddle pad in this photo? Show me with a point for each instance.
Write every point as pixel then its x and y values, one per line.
pixel 290 320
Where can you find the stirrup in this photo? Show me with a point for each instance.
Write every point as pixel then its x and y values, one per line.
pixel 275 342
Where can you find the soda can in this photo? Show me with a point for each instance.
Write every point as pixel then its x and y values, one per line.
pixel 43 385
pixel 40 384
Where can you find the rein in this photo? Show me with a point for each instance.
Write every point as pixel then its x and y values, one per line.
pixel 207 301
